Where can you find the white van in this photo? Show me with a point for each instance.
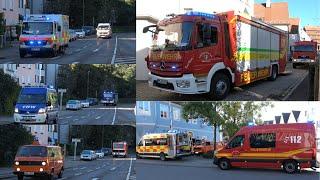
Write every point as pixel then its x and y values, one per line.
pixel 104 30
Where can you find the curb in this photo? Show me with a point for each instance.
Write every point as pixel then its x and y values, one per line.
pixel 293 87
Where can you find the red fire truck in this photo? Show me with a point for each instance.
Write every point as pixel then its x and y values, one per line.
pixel 196 53
pixel 120 149
pixel 303 52
pixel 287 146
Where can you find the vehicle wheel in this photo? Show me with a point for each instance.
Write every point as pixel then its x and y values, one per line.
pixel 22 54
pixel 61 173
pixel 220 86
pixel 290 166
pixel 274 73
pixel 20 177
pixel 162 157
pixel 294 66
pixel 138 156
pixel 224 164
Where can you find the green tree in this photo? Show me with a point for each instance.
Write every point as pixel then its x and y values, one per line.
pixel 207 111
pixel 12 137
pixel 9 89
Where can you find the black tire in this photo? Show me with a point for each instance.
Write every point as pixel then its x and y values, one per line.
pixel 294 66
pixel 22 54
pixel 60 173
pixel 274 73
pixel 224 164
pixel 220 86
pixel 162 157
pixel 20 177
pixel 290 166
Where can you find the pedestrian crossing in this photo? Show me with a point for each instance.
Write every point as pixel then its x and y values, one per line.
pixel 125 60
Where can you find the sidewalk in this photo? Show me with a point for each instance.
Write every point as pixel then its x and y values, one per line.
pixel 6 172
pixel 6 119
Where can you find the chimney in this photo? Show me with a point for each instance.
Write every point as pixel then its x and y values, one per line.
pixel 268 3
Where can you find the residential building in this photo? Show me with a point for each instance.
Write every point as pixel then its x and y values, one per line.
pixel 26 74
pixel 36 6
pixel 314 34
pixel 51 74
pixel 150 11
pixel 162 116
pixel 14 10
pixel 44 134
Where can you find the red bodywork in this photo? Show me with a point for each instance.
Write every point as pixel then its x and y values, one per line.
pixel 198 61
pixel 305 54
pixel 292 142
pixel 120 149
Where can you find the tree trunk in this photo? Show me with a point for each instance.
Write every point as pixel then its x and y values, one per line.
pixel 215 137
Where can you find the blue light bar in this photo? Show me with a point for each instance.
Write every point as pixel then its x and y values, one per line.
pixel 195 13
pixel 250 124
pixel 31 42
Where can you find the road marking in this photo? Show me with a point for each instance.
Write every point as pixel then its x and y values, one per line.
pixel 83 168
pixel 77 174
pixel 95 50
pixel 95 178
pixel 68 117
pixel 129 171
pixel 98 117
pixel 75 62
pixel 78 50
pixel 98 167
pixel 115 51
pixel 89 171
pixel 75 119
pixel 55 57
pixel 112 169
pixel 114 116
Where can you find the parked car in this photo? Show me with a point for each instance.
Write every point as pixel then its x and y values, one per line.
pixel 80 33
pixel 84 103
pixel 89 30
pixel 99 153
pixel 107 151
pixel 72 35
pixel 88 155
pixel 73 105
pixel 93 101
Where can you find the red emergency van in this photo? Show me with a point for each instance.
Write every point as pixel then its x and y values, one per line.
pixel 290 147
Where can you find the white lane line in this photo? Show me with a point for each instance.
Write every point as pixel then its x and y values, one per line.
pixel 114 115
pixel 129 171
pixel 98 167
pixel 55 57
pixel 112 169
pixel 75 119
pixel 68 117
pixel 95 50
pixel 115 51
pixel 89 171
pixel 78 50
pixel 77 174
pixel 98 117
pixel 75 62
pixel 83 168
pixel 63 178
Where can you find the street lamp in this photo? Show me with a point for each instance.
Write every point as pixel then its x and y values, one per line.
pixel 88 84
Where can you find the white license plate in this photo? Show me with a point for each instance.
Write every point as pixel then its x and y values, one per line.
pixel 162 81
pixel 27 118
pixel 35 49
pixel 29 173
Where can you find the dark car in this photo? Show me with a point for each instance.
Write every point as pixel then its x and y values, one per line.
pixel 106 151
pixel 92 101
pixel 89 30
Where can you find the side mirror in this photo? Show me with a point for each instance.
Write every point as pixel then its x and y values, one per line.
pixel 49 103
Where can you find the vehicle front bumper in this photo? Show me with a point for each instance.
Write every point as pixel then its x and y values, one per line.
pixel 31 171
pixel 302 61
pixel 86 158
pixel 29 118
pixel 183 85
pixel 36 49
pixel 107 102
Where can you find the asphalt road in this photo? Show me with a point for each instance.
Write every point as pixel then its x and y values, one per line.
pixel 120 49
pixel 122 114
pixel 280 89
pixel 191 168
pixel 101 169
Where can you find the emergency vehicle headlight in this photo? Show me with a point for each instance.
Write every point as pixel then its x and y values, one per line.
pixel 16 110
pixel 41 169
pixel 42 110
pixel 43 163
pixel 312 60
pixel 18 169
pixel 183 83
pixel 17 163
pixel 294 60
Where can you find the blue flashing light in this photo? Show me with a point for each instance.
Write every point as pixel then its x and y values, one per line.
pixel 31 42
pixel 48 19
pixel 250 124
pixel 195 13
pixel 174 67
pixel 39 42
pixel 153 65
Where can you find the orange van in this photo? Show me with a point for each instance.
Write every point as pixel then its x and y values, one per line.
pixel 290 147
pixel 39 160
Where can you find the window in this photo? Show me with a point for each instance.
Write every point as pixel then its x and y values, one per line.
pixel 236 142
pixel 11 5
pixel 176 113
pixel 143 108
pixel 267 140
pixel 42 79
pixel 156 142
pixel 164 111
pixel 207 35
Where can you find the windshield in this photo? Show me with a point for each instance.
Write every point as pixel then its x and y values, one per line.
pixel 28 151
pixel 308 48
pixel 37 28
pixel 72 102
pixel 174 36
pixel 118 146
pixel 105 27
pixel 32 99
pixel 108 95
pixel 79 30
pixel 86 152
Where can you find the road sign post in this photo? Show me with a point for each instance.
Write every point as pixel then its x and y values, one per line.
pixel 75 141
pixel 61 91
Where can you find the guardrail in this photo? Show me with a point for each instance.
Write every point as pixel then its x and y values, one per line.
pixel 314 73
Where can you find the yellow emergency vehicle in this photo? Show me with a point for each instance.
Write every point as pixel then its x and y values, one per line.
pixel 165 145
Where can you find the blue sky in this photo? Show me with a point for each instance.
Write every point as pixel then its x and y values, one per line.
pixel 307 10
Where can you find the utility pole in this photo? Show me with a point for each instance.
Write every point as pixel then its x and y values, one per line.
pixel 88 84
pixel 82 12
